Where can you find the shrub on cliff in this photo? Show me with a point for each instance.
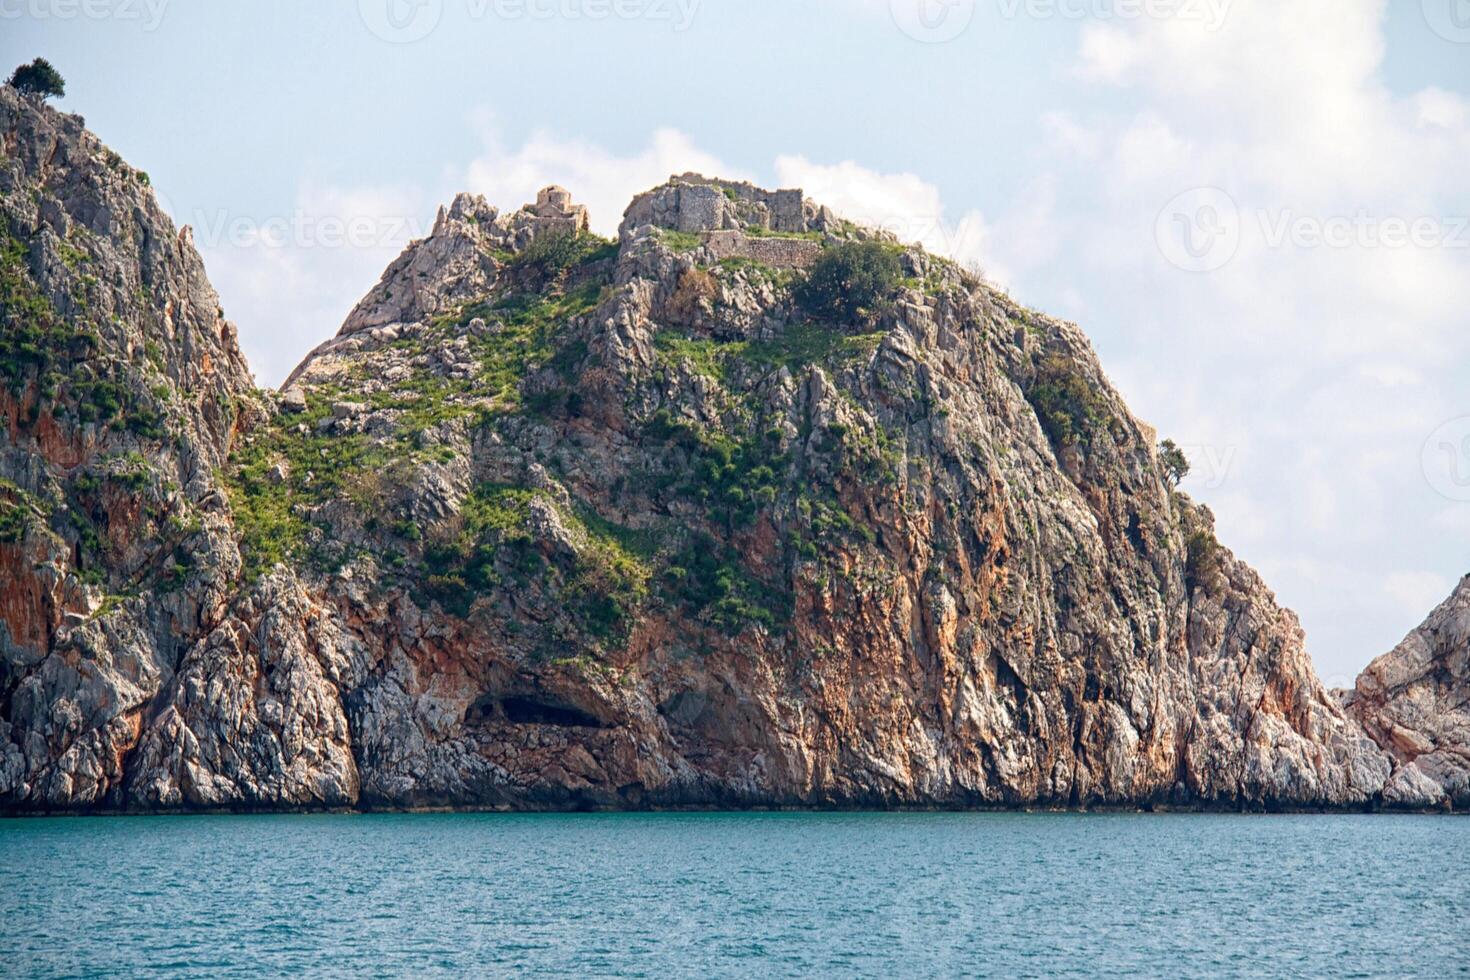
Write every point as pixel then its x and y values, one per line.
pixel 850 280
pixel 1068 407
pixel 38 78
pixel 1204 565
pixel 556 252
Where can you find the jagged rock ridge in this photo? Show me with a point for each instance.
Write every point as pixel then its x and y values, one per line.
pixel 1415 702
pixel 559 522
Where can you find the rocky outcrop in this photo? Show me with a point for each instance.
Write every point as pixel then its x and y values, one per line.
pixel 558 522
pixel 1415 702
pixel 122 383
pixel 458 262
pixel 253 716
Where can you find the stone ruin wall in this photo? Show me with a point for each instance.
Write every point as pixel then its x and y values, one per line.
pixel 780 253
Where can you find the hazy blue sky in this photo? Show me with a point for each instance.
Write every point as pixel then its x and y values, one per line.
pixel 1257 208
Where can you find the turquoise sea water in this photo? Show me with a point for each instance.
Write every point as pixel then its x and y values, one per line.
pixel 736 894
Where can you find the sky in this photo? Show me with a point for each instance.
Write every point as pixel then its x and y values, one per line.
pixel 1259 210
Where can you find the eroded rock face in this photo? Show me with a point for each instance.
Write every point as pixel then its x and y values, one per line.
pixel 457 263
pixel 555 522
pixel 1415 701
pixel 254 715
pixel 122 383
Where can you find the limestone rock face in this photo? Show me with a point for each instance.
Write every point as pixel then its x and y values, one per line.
pixel 254 715
pixel 122 384
pixel 458 261
pixel 558 522
pixel 1415 702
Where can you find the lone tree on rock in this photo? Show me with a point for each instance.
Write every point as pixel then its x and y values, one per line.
pixel 850 280
pixel 1176 464
pixel 39 78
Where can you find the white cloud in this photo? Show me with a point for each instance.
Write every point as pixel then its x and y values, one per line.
pixel 1066 135
pixel 1445 110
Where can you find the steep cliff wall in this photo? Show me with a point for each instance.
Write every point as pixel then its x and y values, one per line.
pixel 557 522
pixel 121 385
pixel 1415 702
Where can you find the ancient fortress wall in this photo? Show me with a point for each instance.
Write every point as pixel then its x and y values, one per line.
pixel 782 253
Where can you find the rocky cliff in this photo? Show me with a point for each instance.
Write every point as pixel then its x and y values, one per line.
pixel 749 507
pixel 1415 702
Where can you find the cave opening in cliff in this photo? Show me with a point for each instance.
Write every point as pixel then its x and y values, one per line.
pixel 519 710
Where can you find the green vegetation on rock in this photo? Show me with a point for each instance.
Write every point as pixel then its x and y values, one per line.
pixel 554 253
pixel 798 346
pixel 733 477
pixel 59 355
pixel 851 280
pixel 804 344
pixel 281 473
pixel 1204 564
pixel 1068 408
pixel 710 578
pixel 35 343
pixel 521 336
pixel 756 231
pixel 17 511
pixel 1175 463
pixel 600 580
pixel 680 241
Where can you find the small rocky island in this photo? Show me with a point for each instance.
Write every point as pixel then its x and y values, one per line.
pixel 749 507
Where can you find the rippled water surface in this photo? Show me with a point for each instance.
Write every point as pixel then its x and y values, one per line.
pixel 736 894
